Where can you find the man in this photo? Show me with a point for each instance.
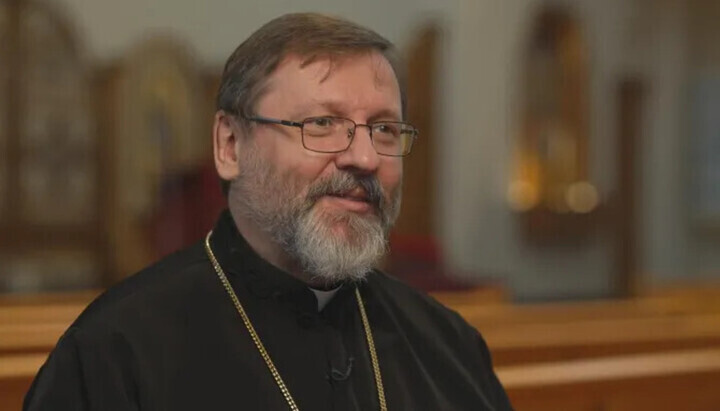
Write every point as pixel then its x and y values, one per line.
pixel 279 308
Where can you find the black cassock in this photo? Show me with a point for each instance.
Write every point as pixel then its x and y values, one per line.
pixel 169 338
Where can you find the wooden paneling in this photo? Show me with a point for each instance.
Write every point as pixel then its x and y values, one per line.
pixel 417 216
pixel 627 215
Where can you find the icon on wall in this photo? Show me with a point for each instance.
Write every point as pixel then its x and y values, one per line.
pixel 550 188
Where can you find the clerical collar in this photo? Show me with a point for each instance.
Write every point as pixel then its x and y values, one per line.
pixel 324 296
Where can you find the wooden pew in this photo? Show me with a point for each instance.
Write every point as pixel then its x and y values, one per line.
pixel 16 374
pixel 30 326
pixel 675 380
pixel 563 331
pixel 34 323
pixel 518 335
pixel 473 297
pixel 594 338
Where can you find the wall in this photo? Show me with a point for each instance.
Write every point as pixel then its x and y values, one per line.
pixel 215 27
pixel 677 43
pixel 664 55
pixel 664 42
pixel 704 45
pixel 480 231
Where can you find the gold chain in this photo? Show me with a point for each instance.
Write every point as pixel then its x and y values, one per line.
pixel 373 354
pixel 263 352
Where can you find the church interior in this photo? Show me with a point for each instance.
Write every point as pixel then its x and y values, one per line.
pixel 563 195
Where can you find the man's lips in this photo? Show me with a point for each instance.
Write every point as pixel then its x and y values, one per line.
pixel 357 194
pixel 354 200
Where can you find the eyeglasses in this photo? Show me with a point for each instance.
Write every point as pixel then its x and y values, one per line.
pixel 329 134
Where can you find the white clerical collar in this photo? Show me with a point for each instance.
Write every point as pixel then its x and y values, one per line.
pixel 324 297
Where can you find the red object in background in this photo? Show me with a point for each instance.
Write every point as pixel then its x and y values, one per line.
pixel 417 261
pixel 189 207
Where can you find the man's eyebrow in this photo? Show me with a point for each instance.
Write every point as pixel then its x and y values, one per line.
pixel 338 108
pixel 334 107
pixel 385 114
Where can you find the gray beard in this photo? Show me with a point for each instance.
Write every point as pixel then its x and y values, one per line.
pixel 274 203
pixel 332 258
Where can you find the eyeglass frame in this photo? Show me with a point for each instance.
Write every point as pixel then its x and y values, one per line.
pixel 301 126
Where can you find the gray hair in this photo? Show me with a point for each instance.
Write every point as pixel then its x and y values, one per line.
pixel 307 34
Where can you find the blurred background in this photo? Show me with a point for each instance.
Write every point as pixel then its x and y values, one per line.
pixel 569 149
pixel 568 162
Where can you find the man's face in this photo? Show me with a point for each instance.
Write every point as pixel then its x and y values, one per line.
pixel 330 212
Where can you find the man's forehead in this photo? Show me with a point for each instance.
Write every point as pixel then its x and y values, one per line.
pixel 321 66
pixel 302 84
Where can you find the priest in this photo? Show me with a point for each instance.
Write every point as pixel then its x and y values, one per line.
pixel 279 307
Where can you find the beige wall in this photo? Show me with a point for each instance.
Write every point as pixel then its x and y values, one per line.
pixel 704 39
pixel 480 230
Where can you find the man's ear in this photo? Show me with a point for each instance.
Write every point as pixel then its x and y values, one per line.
pixel 225 149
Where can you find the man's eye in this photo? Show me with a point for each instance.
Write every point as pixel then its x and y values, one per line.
pixel 387 129
pixel 322 122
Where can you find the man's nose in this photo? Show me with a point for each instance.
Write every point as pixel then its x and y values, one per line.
pixel 361 154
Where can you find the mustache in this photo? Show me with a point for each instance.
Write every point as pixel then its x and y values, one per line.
pixel 342 182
